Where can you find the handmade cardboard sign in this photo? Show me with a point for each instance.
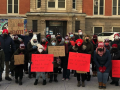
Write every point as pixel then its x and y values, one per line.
pixel 56 50
pixel 116 68
pixel 42 63
pixel 19 59
pixel 79 62
pixel 16 26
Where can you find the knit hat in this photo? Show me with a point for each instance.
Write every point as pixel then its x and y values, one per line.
pixel 115 45
pixel 40 46
pixel 100 44
pixel 30 31
pixel 70 33
pixel 48 35
pixel 5 31
pixel 79 42
pixel 34 37
pixel 22 45
pixel 106 40
pixel 66 38
pixel 116 35
pixel 94 36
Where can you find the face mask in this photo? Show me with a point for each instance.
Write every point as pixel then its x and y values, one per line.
pixel 40 50
pixel 87 40
pixel 30 34
pixel 66 42
pixel 95 40
pixel 5 35
pixel 100 49
pixel 116 37
pixel 80 33
pixel 42 42
pixel 106 44
pixel 35 41
pixel 53 44
pixel 71 35
pixel 48 39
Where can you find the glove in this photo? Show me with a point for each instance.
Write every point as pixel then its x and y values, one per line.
pixel 100 69
pixel 34 47
pixel 104 69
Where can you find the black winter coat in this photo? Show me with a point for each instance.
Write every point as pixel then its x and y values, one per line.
pixel 116 42
pixel 17 44
pixel 8 47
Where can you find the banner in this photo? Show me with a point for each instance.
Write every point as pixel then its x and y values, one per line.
pixel 56 50
pixel 79 62
pixel 42 63
pixel 19 59
pixel 116 68
pixel 16 26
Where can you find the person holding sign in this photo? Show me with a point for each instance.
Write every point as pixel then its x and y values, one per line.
pixel 44 43
pixel 19 66
pixel 32 48
pixel 102 59
pixel 40 50
pixel 80 48
pixel 115 54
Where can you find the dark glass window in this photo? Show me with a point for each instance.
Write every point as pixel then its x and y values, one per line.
pixel 34 25
pixel 77 26
pixel 97 30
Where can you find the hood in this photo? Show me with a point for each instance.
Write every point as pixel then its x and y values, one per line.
pixel 34 37
pixel 86 36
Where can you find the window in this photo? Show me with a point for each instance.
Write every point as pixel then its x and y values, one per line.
pixel 116 7
pixel 13 6
pixel 98 7
pixel 97 30
pixel 34 25
pixel 56 4
pixel 74 4
pixel 77 26
pixel 38 3
pixel 116 29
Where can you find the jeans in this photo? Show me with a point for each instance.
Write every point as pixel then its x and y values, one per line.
pixel 42 74
pixel 102 77
pixel 66 73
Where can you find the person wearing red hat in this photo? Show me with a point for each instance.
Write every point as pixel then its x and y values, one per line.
pixel 18 68
pixel 80 48
pixel 107 44
pixel 102 59
pixel 94 43
pixel 48 36
pixel 68 48
pixel 115 55
pixel 8 47
pixel 72 39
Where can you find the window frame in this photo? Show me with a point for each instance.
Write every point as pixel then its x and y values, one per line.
pixel 37 4
pixel 99 8
pixel 116 8
pixel 75 5
pixel 13 8
pixel 98 26
pixel 113 27
pixel 56 6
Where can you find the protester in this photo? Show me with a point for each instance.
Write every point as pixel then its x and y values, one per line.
pixel 89 48
pixel 40 50
pixel 18 68
pixel 80 35
pixel 26 39
pixel 44 43
pixel 80 48
pixel 68 48
pixel 32 48
pixel 102 59
pixel 48 37
pixel 94 43
pixel 2 59
pixel 72 39
pixel 55 63
pixel 16 42
pixel 115 54
pixel 8 47
pixel 107 44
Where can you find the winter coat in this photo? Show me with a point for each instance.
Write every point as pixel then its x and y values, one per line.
pixel 17 44
pixel 8 47
pixel 2 59
pixel 105 60
pixel 78 37
pixel 12 66
pixel 116 42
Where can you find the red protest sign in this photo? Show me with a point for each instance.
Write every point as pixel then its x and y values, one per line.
pixel 42 63
pixel 79 61
pixel 116 68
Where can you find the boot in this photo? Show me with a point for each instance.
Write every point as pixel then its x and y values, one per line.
pixel 36 82
pixel 8 78
pixel 55 78
pixel 103 86
pixel 44 82
pixel 51 78
pixel 83 84
pixel 112 82
pixel 20 82
pixel 96 74
pixel 16 80
pixel 100 85
pixel 116 83
pixel 79 84
pixel 88 77
pixel 0 79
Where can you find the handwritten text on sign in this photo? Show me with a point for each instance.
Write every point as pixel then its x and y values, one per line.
pixel 42 63
pixel 19 59
pixel 79 61
pixel 56 50
pixel 116 68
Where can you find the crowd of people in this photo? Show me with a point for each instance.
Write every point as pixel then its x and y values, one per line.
pixel 102 54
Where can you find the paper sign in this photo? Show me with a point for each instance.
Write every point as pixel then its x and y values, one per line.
pixel 42 63
pixel 19 59
pixel 79 61
pixel 56 50
pixel 16 26
pixel 80 72
pixel 116 68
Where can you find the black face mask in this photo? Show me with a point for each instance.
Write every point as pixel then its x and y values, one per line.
pixel 100 49
pixel 30 34
pixel 5 35
pixel 114 50
pixel 35 41
pixel 87 40
pixel 42 42
pixel 95 40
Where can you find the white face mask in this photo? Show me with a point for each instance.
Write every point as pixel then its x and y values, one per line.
pixel 40 50
pixel 80 33
pixel 116 37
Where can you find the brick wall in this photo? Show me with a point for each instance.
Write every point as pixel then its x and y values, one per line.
pixel 3 6
pixel 108 7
